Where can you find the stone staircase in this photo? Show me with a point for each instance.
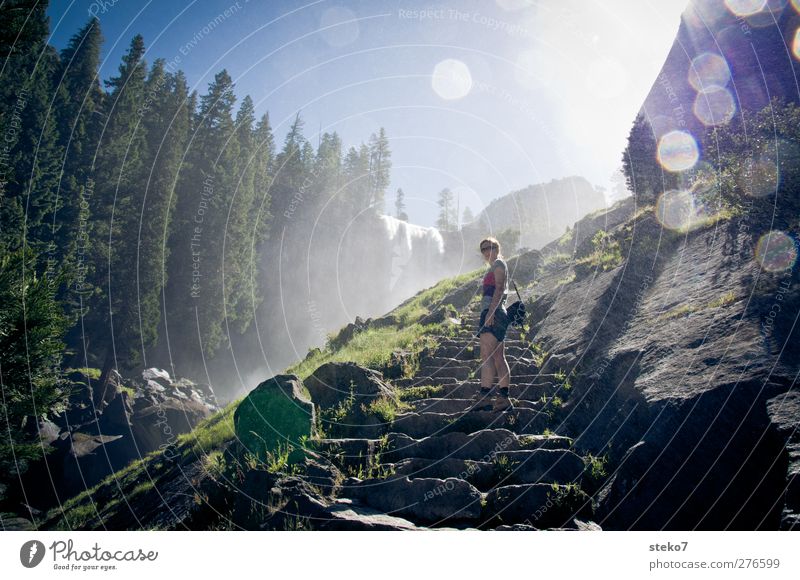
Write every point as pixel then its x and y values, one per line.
pixel 453 460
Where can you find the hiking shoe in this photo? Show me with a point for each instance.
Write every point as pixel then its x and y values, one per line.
pixel 483 400
pixel 503 401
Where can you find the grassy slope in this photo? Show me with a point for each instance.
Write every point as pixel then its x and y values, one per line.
pixel 371 347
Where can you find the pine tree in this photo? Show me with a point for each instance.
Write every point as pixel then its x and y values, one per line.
pixel 400 205
pixel 467 216
pixel 447 211
pixel 79 113
pixel 31 327
pixel 380 164
pixel 121 173
pixel 643 173
pixel 206 187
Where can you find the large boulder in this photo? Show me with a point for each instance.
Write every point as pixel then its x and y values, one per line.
pixel 276 414
pixel 347 395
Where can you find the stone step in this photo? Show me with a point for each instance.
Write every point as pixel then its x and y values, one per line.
pixel 541 466
pixel 506 468
pixel 479 446
pixel 526 392
pixel 519 420
pixel 460 373
pixel 427 500
pixel 423 380
pixel 538 505
pixel 451 405
pixel 481 474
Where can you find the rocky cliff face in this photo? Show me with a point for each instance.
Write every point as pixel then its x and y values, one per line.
pixel 100 433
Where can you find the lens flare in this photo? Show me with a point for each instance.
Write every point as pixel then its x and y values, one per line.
pixel 675 209
pixel 709 70
pixel 745 7
pixel 770 14
pixel 796 44
pixel 714 106
pixel 677 151
pixel 776 251
pixel 796 5
pixel 451 79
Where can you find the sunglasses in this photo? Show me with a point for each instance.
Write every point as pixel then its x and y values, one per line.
pixel 484 248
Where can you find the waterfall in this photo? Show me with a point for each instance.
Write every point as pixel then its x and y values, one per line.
pixel 406 240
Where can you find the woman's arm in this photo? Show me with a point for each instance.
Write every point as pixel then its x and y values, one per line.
pixel 499 289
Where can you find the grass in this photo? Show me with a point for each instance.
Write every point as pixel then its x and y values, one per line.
pixel 386 408
pixel 596 466
pixel 93 374
pixel 371 348
pixel 607 252
pixel 211 432
pixel 556 258
pixel 415 308
pixel 566 280
pixel 421 392
pixel 721 302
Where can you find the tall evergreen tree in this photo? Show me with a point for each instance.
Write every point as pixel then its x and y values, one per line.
pixel 400 205
pixel 380 164
pixel 643 174
pixel 121 177
pixel 79 113
pixel 447 211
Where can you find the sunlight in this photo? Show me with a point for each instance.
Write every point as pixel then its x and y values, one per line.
pixel 451 79
pixel 677 151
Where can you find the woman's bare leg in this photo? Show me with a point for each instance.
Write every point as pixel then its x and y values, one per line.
pixel 488 345
pixel 501 365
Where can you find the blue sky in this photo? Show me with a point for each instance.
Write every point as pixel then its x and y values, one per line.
pixel 482 97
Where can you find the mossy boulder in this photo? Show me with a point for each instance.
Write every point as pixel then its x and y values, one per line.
pixel 276 414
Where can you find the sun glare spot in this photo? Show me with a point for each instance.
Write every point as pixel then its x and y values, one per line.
pixel 677 151
pixel 776 251
pixel 714 106
pixel 709 70
pixel 451 79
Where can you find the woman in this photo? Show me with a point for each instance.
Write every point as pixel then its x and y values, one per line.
pixel 493 324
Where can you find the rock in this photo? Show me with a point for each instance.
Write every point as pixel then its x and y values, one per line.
pixel 544 466
pixel 399 364
pixel 784 412
pixel 345 393
pixel 538 505
pixel 332 383
pixel 347 333
pixel 275 413
pixel 154 374
pixel 347 515
pixel 430 500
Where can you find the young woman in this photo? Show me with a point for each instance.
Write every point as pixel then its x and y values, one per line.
pixel 493 324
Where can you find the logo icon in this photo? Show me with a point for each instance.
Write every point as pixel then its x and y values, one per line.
pixel 31 553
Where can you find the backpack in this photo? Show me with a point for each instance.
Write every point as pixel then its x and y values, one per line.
pixel 516 312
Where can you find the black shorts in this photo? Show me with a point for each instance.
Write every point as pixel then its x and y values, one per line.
pixel 498 329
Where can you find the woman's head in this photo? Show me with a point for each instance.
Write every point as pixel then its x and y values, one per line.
pixel 490 249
